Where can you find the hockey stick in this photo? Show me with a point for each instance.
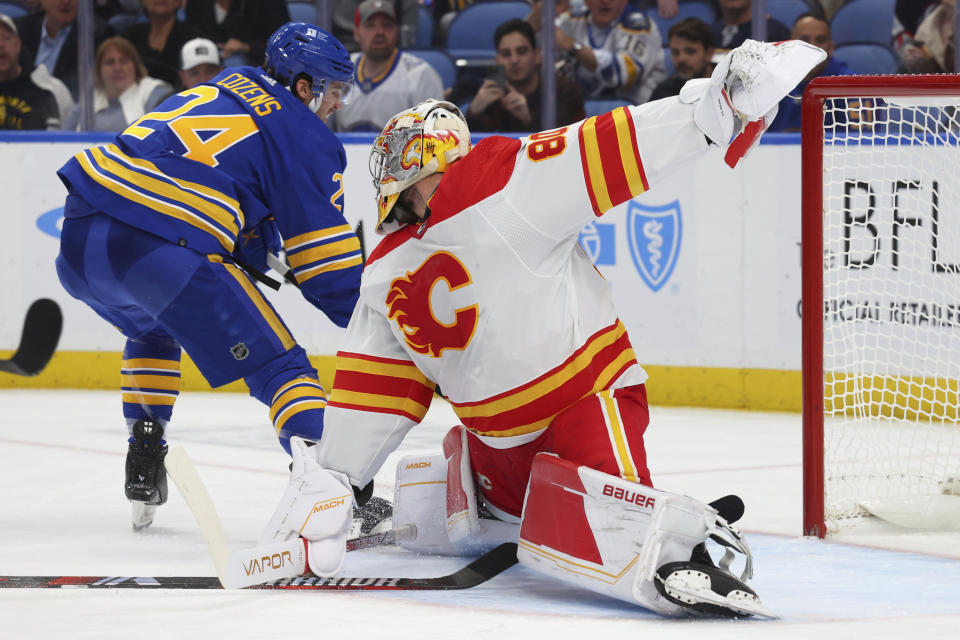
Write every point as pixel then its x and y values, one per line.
pixel 38 341
pixel 477 572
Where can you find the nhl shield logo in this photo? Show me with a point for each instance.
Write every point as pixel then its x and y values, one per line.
pixel 654 234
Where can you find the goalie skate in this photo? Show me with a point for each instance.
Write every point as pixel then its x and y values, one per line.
pixel 708 590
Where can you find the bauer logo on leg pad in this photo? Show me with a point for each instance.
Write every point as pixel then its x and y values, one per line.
pixel 633 497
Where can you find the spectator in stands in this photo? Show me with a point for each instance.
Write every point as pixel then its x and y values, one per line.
pixel 908 14
pixel 239 27
pixel 691 49
pixel 160 39
pixel 199 62
pixel 50 38
pixel 124 91
pixel 106 9
pixel 23 103
pixel 408 19
pixel 934 42
pixel 614 48
pixel 736 24
pixel 812 28
pixel 512 103
pixel 386 80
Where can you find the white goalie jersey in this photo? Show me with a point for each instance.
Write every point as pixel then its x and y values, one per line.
pixel 629 52
pixel 492 298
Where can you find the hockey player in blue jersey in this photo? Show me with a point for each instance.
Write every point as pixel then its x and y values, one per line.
pixel 158 222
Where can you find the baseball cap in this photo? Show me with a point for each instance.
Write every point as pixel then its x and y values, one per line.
pixel 199 51
pixel 368 8
pixel 6 21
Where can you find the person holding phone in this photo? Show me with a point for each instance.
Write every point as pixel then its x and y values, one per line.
pixel 509 98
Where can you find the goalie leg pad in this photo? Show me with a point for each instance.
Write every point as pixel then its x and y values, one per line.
pixel 609 535
pixel 438 496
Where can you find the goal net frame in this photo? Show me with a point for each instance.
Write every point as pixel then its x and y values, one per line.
pixel 813 206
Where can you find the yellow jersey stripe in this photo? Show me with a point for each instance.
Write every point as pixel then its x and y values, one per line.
pixel 594 165
pixel 219 196
pixel 294 394
pixel 339 247
pixel 294 409
pixel 618 437
pixel 153 203
pixel 631 68
pixel 631 167
pixel 140 397
pixel 405 371
pixel 296 242
pixel 140 381
pixel 534 392
pixel 218 214
pixel 151 363
pixel 377 401
pixel 259 301
pixel 336 265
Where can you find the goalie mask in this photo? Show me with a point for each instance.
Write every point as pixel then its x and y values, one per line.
pixel 416 143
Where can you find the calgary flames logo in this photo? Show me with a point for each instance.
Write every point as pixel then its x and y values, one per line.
pixel 408 304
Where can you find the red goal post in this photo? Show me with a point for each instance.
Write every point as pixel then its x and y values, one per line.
pixel 855 129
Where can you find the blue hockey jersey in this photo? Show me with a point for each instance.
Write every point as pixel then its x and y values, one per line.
pixel 233 165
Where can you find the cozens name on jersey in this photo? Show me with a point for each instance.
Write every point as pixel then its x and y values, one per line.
pixel 251 93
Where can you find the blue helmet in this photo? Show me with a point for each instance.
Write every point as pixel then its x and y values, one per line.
pixel 298 47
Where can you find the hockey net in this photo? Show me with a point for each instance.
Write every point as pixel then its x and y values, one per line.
pixel 881 301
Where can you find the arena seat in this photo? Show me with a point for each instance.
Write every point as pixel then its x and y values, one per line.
pixel 470 37
pixel 691 9
pixel 867 58
pixel 440 61
pixel 863 21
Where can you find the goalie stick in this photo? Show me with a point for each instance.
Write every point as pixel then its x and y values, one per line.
pixel 38 341
pixel 477 572
pixel 281 563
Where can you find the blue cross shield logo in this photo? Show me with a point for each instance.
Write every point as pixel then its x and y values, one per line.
pixel 599 241
pixel 654 234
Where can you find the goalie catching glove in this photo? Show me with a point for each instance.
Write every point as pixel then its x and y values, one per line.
pixel 743 93
pixel 317 506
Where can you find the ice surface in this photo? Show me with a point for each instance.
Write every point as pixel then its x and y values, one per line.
pixel 62 511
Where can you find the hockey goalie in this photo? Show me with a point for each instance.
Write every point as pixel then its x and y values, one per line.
pixel 481 288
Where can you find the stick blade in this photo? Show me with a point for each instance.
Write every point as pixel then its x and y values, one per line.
pixel 38 342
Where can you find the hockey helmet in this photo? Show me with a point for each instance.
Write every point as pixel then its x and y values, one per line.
pixel 299 47
pixel 416 143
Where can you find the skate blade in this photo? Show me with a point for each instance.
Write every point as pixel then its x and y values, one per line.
pixel 142 514
pixel 693 587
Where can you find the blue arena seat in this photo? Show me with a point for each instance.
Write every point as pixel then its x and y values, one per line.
pixel 786 11
pixel 302 12
pixel 470 37
pixel 597 107
pixel 867 58
pixel 424 28
pixel 13 10
pixel 863 21
pixel 440 61
pixel 691 9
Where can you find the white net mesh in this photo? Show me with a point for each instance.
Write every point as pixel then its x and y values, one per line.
pixel 891 271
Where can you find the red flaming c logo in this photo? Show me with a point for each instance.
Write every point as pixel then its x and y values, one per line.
pixel 408 304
